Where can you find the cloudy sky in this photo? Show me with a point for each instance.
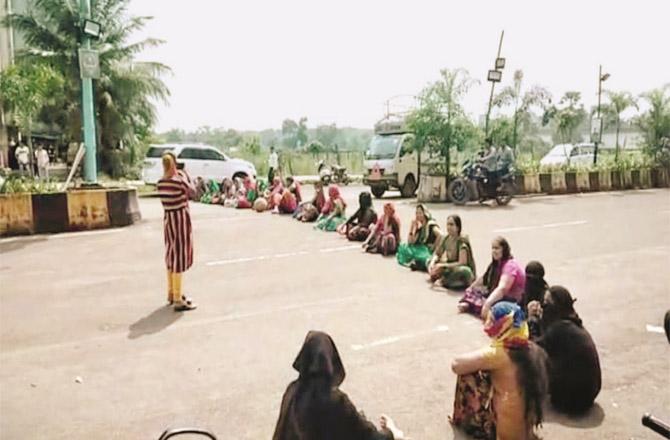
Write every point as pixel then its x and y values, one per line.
pixel 250 64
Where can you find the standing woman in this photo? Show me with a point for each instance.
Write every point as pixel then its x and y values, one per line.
pixel 174 189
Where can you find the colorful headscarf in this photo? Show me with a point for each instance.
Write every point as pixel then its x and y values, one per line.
pixel 333 195
pixel 392 217
pixel 506 325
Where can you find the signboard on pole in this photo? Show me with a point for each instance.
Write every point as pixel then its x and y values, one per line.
pixel 89 64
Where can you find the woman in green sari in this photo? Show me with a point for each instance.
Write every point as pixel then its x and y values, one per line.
pixel 424 233
pixel 452 263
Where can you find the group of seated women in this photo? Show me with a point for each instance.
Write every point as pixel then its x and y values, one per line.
pixel 539 346
pixel 500 388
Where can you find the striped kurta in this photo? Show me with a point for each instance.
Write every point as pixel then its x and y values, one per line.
pixel 178 232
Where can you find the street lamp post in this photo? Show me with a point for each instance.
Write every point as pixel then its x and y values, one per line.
pixel 601 78
pixel 494 76
pixel 87 113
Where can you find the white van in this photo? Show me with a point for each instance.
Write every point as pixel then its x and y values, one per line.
pixel 569 154
pixel 390 161
pixel 199 161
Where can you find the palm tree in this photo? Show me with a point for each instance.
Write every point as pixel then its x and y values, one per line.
pixel 655 124
pixel 522 102
pixel 126 92
pixel 619 102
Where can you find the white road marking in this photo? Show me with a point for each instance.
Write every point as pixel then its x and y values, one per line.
pixel 548 225
pixel 40 237
pixel 340 249
pixel 282 255
pixel 655 329
pixel 397 338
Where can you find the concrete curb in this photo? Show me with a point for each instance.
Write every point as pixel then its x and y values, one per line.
pixel 76 210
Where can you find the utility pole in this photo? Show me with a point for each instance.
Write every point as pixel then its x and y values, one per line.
pixel 87 113
pixel 493 85
pixel 598 141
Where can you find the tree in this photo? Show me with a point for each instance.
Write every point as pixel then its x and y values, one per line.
pixel 126 92
pixel 25 90
pixel 567 117
pixel 440 122
pixel 289 131
pixel 655 125
pixel 522 103
pixel 301 132
pixel 252 145
pixel 326 134
pixel 619 102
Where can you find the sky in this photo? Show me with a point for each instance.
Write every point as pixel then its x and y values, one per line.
pixel 251 64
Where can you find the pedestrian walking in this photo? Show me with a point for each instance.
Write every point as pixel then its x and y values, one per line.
pixel 42 159
pixel 273 164
pixel 174 189
pixel 22 154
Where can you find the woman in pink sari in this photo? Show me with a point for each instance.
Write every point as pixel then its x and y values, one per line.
pixel 385 235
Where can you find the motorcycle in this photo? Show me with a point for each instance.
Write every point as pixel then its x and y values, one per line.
pixel 340 175
pixel 334 173
pixel 325 173
pixel 475 184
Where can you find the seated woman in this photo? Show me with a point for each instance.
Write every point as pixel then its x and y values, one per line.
pixel 385 235
pixel 212 193
pixel 274 192
pixel 452 264
pixel 246 201
pixel 423 235
pixel 357 228
pixel 504 280
pixel 574 365
pixel 513 368
pixel 534 292
pixel 295 188
pixel 309 211
pixel 289 198
pixel 314 408
pixel 333 213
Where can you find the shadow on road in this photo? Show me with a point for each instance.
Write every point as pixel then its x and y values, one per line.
pixel 591 419
pixel 158 320
pixel 20 243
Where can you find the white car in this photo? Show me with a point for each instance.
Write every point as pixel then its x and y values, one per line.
pixel 199 161
pixel 569 154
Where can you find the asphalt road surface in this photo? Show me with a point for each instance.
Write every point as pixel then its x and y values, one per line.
pixel 88 349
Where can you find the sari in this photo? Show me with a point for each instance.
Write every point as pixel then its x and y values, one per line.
pixel 448 251
pixel 333 212
pixel 418 254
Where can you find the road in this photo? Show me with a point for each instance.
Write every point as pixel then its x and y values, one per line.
pixel 89 351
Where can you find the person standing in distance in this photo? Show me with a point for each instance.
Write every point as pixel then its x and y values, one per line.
pixel 22 154
pixel 174 189
pixel 273 164
pixel 42 158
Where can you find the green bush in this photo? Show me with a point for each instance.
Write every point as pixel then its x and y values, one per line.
pixel 15 184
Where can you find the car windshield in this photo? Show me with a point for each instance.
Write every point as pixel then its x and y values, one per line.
pixel 383 147
pixel 158 151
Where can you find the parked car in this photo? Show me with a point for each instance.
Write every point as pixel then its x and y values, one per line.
pixel 569 154
pixel 199 161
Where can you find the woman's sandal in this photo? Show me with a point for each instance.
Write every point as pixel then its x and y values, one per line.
pixel 185 305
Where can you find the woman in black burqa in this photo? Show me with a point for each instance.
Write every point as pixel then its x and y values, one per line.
pixel 314 408
pixel 574 366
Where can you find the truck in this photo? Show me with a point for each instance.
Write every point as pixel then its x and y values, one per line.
pixel 391 161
